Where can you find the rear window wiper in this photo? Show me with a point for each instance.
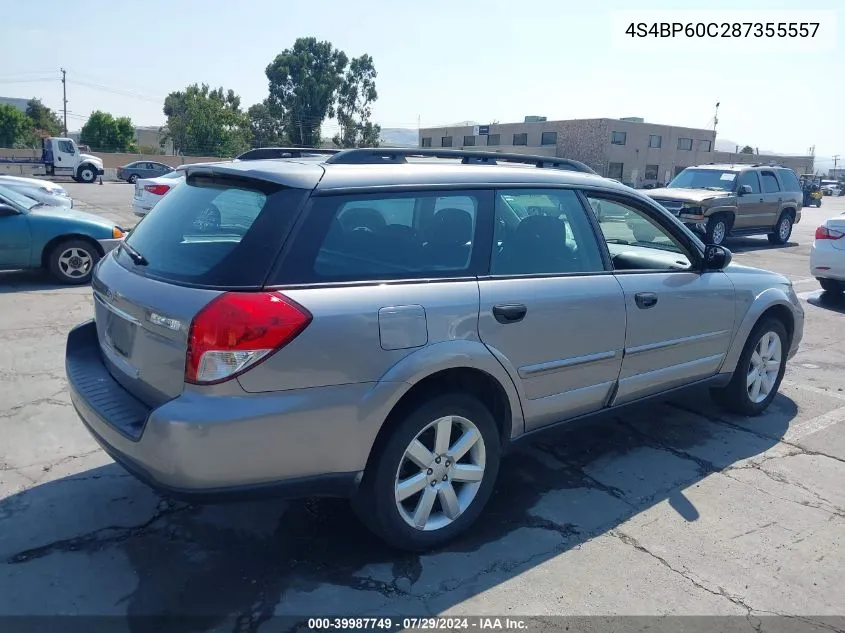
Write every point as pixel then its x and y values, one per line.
pixel 136 257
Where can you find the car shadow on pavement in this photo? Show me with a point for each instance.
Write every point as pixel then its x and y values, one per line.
pixel 99 542
pixel 28 280
pixel 833 301
pixel 750 244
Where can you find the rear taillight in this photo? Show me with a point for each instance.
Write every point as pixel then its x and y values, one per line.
pixel 237 330
pixel 158 190
pixel 824 233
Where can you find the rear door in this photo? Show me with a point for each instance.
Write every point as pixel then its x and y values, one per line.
pixel 550 309
pixel 679 321
pixel 216 234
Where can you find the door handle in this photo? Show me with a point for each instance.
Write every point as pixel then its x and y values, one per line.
pixel 645 300
pixel 761 199
pixel 509 313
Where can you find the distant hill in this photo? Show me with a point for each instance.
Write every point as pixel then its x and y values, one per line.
pixel 399 137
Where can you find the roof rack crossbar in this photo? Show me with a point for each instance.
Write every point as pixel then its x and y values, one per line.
pixel 400 155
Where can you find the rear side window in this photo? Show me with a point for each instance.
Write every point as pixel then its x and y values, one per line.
pixel 369 237
pixel 770 182
pixel 789 180
pixel 214 232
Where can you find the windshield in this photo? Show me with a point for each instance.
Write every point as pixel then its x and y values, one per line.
pixel 18 199
pixel 712 179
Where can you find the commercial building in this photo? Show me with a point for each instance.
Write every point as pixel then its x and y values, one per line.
pixel 629 149
pixel 15 102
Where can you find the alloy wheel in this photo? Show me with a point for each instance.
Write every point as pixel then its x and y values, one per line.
pixel 75 263
pixel 764 367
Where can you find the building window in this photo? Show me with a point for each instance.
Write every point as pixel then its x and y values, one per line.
pixel 618 138
pixel 493 139
pixel 705 146
pixel 469 140
pixel 685 143
pixel 655 141
pixel 446 141
pixel 426 141
pixel 651 172
pixel 614 170
pixel 520 139
pixel 548 138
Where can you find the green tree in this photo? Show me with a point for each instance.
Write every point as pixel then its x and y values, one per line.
pixel 355 97
pixel 104 132
pixel 303 82
pixel 747 150
pixel 46 121
pixel 205 121
pixel 266 129
pixel 16 129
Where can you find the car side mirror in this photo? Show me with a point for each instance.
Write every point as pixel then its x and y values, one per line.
pixel 744 190
pixel 7 210
pixel 716 257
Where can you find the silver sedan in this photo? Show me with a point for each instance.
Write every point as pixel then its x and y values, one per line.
pixel 42 191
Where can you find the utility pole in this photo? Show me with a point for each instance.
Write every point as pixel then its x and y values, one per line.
pixel 835 161
pixel 64 96
pixel 716 117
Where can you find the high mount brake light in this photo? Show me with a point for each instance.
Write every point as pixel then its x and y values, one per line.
pixel 237 330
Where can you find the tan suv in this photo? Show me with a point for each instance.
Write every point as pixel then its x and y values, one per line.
pixel 722 200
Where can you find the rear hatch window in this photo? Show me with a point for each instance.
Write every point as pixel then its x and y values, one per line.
pixel 213 232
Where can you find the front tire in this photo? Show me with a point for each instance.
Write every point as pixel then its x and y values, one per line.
pixel 716 230
pixel 132 179
pixel 433 475
pixel 758 372
pixel 72 262
pixel 87 174
pixel 783 230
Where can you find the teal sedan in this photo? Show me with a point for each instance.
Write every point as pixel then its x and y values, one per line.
pixel 67 243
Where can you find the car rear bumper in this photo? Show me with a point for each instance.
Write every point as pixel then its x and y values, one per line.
pixel 827 262
pixel 219 448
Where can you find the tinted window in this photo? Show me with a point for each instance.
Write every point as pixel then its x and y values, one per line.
pixel 789 180
pixel 750 178
pixel 770 182
pixel 216 233
pixel 635 239
pixel 386 236
pixel 543 232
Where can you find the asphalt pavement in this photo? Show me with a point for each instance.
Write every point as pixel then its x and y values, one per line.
pixel 675 508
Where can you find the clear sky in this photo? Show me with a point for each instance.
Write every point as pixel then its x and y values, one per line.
pixel 438 62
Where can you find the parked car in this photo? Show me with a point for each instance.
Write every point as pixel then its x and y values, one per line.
pixel 827 255
pixel 723 200
pixel 831 188
pixel 42 191
pixel 149 191
pixel 142 169
pixel 66 243
pixel 386 332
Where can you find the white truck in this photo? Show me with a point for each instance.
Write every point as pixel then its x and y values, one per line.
pixel 59 157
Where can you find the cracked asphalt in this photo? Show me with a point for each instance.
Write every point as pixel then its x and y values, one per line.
pixel 674 508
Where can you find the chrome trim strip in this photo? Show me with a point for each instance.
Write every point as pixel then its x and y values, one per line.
pixel 543 368
pixel 117 311
pixel 650 347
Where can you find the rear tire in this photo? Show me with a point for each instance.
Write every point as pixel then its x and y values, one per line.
pixel 717 230
pixel 132 179
pixel 832 285
pixel 758 372
pixel 72 262
pixel 783 229
pixel 453 498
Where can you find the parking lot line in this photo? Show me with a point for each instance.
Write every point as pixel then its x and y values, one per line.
pixel 811 389
pixel 814 425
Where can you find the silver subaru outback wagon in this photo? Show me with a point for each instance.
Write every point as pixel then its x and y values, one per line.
pixel 381 326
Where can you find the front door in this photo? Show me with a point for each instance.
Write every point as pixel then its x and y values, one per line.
pixel 64 157
pixel 679 320
pixel 750 207
pixel 15 241
pixel 550 311
pixel 773 198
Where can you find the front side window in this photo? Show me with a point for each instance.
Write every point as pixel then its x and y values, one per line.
pixel 750 178
pixel 636 240
pixel 66 147
pixel 543 231
pixel 770 182
pixel 367 237
pixel 618 138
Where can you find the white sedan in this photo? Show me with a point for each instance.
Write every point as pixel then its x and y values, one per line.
pixel 148 191
pixel 827 255
pixel 43 191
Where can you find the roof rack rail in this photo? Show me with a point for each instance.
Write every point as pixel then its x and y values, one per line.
pixel 285 152
pixel 400 155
